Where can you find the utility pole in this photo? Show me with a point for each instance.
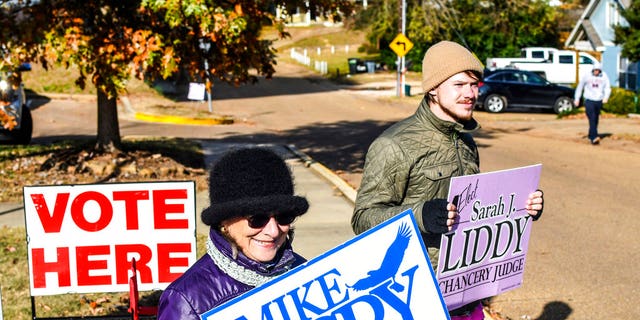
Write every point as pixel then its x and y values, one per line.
pixel 404 30
pixel 402 4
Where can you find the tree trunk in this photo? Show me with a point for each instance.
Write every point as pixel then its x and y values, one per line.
pixel 108 139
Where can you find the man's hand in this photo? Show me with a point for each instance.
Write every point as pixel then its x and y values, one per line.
pixel 438 216
pixel 535 204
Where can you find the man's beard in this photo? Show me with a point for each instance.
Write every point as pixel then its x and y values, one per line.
pixel 456 117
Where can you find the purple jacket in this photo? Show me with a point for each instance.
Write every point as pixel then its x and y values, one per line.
pixel 208 283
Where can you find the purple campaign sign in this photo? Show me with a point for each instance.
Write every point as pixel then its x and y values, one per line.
pixel 484 255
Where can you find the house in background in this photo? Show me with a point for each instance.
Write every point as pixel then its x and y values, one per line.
pixel 594 31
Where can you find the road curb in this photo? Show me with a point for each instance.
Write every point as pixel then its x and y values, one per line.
pixel 348 191
pixel 182 120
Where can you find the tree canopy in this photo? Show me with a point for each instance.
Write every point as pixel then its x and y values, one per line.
pixel 628 36
pixel 110 41
pixel 490 28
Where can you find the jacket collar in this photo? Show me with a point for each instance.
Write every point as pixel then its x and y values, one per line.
pixel 424 114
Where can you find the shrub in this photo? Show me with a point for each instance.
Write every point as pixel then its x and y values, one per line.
pixel 621 101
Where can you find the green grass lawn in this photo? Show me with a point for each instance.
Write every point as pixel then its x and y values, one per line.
pixel 58 79
pixel 332 45
pixel 336 48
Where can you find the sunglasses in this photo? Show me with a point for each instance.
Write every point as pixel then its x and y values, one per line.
pixel 260 220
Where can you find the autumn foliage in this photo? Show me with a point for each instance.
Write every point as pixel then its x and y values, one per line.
pixel 111 41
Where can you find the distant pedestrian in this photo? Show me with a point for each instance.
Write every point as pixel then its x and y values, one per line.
pixel 251 212
pixel 596 89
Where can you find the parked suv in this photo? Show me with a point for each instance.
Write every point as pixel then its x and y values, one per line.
pixel 13 103
pixel 502 89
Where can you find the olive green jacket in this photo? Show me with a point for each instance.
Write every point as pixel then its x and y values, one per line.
pixel 410 163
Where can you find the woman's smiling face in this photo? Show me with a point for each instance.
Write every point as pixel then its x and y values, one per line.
pixel 259 244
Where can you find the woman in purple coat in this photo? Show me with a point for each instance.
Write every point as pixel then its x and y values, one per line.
pixel 252 208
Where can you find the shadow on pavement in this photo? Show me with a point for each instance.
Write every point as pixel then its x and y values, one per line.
pixel 556 310
pixel 35 100
pixel 340 146
pixel 276 86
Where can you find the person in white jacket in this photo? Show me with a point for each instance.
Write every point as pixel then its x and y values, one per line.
pixel 597 90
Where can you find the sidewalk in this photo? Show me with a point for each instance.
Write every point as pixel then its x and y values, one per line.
pixel 324 226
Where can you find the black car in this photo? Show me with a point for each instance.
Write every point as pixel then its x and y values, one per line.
pixel 508 88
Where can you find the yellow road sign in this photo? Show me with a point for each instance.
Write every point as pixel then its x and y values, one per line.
pixel 401 45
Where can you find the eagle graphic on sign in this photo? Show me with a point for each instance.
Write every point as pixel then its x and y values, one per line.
pixel 390 263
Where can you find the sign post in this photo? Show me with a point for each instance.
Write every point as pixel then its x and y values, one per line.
pixel 1 316
pixel 401 45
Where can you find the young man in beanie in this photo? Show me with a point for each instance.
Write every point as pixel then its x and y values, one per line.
pixel 409 166
pixel 252 208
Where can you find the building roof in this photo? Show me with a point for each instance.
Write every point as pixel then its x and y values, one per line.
pixel 584 33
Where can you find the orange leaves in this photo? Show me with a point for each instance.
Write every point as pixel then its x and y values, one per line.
pixel 95 306
pixel 74 38
pixel 110 48
pixel 8 122
pixel 238 9
pixel 170 62
pixel 219 21
pixel 143 47
pixel 168 54
pixel 145 39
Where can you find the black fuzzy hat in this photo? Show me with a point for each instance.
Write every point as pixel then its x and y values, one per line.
pixel 249 181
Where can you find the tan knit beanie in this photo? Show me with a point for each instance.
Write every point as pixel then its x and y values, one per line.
pixel 445 59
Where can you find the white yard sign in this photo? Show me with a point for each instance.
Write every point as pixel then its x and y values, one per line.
pixel 81 238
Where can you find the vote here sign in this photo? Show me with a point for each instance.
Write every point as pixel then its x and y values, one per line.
pixel 383 273
pixel 485 253
pixel 81 238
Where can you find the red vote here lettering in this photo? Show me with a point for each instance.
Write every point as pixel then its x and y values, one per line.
pixel 163 209
pixel 92 264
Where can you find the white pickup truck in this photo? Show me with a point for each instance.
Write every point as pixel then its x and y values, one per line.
pixel 526 54
pixel 558 66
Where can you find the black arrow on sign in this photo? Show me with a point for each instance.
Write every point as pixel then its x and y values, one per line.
pixel 404 45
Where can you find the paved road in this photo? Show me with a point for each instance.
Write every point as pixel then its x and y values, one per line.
pixel 582 256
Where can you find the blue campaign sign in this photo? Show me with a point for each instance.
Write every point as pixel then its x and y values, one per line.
pixel 383 273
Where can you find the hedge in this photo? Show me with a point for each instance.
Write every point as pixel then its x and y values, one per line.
pixel 622 102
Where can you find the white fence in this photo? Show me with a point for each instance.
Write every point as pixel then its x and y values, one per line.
pixel 302 56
